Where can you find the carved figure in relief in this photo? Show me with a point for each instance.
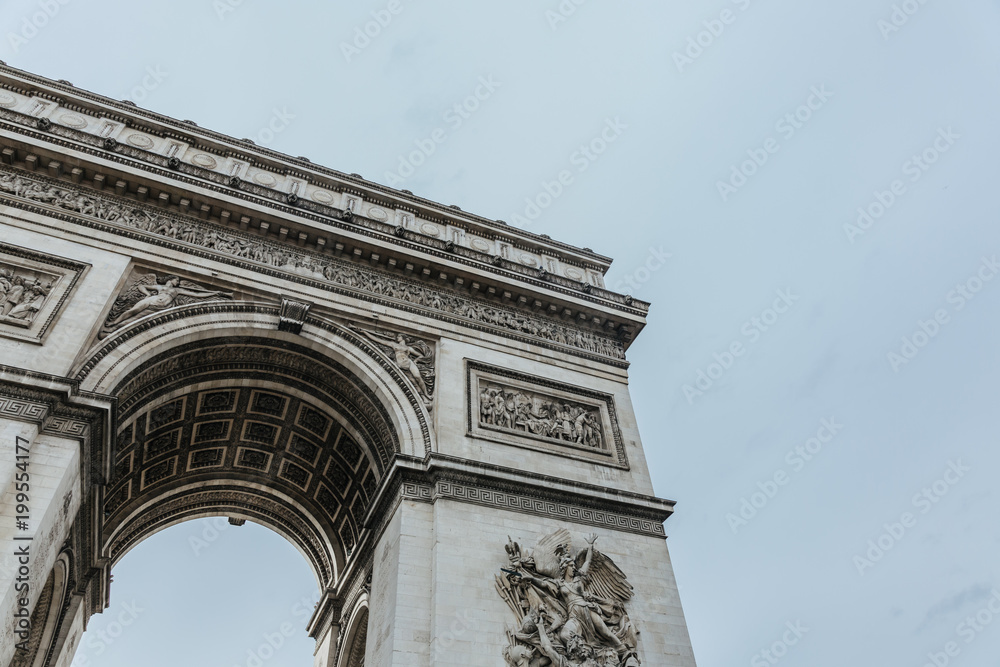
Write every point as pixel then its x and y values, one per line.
pixel 22 293
pixel 570 608
pixel 354 277
pixel 31 301
pixel 539 415
pixel 147 295
pixel 411 355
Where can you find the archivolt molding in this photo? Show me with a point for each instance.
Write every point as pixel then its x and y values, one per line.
pixel 130 219
pixel 372 372
pixel 353 640
pixel 267 508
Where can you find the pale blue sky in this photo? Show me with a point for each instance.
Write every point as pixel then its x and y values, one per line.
pixel 886 96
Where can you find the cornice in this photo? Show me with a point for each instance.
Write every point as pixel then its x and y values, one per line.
pixel 125 113
pixel 440 476
pixel 126 218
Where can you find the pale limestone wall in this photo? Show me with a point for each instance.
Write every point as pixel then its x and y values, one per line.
pixel 75 620
pixel 452 417
pixel 469 617
pixel 55 494
pixel 399 623
pixel 75 327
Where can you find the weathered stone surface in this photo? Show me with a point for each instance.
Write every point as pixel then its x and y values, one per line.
pixel 191 326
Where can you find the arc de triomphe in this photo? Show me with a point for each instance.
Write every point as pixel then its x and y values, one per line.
pixel 431 406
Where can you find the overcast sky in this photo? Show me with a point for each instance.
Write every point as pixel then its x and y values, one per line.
pixel 747 135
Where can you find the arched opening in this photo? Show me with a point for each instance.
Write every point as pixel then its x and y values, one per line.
pixel 206 592
pixel 352 651
pixel 246 428
pixel 219 414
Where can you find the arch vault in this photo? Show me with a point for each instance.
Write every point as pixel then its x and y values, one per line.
pixel 431 406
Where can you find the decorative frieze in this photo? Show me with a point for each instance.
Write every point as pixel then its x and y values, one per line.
pixel 296 264
pixel 526 411
pixel 34 289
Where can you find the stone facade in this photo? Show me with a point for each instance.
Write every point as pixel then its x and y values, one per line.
pixel 432 406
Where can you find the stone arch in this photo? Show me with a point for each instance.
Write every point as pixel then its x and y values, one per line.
pixel 46 617
pixel 352 649
pixel 221 414
pixel 103 366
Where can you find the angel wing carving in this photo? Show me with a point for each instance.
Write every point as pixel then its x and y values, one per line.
pixel 130 296
pixel 570 608
pixel 414 357
pixel 604 578
pixel 546 553
pixel 147 294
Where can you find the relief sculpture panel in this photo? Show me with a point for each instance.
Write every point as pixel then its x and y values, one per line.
pixel 147 293
pixel 244 247
pixel 527 411
pixel 34 287
pixel 569 605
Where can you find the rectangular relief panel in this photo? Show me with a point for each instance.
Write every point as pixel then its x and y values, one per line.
pixel 528 411
pixel 34 290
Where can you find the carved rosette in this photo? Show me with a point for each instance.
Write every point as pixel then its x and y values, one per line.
pixel 569 606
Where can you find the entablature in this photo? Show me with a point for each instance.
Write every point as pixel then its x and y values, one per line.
pixel 178 165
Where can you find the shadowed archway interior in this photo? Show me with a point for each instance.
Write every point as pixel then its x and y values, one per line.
pixel 253 428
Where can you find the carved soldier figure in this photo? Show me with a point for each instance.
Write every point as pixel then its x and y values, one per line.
pixel 32 301
pixel 13 295
pixel 571 608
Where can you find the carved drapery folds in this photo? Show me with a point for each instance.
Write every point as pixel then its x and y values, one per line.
pixel 33 289
pixel 540 415
pixel 146 293
pixel 372 283
pixel 411 355
pixel 569 606
pixel 528 411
